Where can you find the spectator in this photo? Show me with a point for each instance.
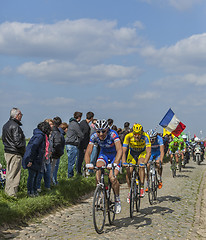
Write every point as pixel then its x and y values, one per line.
pixel 45 171
pixel 114 127
pixel 57 144
pixel 95 150
pixel 63 127
pixel 85 128
pixel 110 122
pixel 14 147
pixel 33 157
pixel 73 138
pixel 125 131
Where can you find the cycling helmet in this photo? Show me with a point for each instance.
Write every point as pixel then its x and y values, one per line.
pixel 137 128
pixel 175 139
pixel 101 124
pixel 184 136
pixel 152 134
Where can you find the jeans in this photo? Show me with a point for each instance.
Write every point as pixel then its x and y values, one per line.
pixel 32 181
pixel 55 171
pixel 80 160
pixel 46 175
pixel 72 152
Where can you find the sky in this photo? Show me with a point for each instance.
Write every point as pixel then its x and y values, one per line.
pixel 125 60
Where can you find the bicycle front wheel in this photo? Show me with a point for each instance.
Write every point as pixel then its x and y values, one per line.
pixel 99 209
pixel 132 197
pixel 173 168
pixel 137 195
pixel 151 189
pixel 155 186
pixel 111 205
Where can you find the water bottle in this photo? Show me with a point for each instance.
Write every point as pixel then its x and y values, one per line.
pixel 137 182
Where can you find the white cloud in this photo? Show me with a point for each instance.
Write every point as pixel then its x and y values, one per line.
pixel 139 25
pixel 146 95
pixel 184 4
pixel 181 81
pixel 62 72
pixel 57 102
pixel 178 4
pixel 187 54
pixel 83 40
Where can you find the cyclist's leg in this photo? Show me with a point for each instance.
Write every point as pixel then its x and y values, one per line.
pixel 129 170
pixel 115 184
pixel 102 160
pixel 141 159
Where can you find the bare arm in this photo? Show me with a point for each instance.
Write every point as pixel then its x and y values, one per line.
pixel 118 156
pixel 161 153
pixel 124 149
pixel 88 153
pixel 148 154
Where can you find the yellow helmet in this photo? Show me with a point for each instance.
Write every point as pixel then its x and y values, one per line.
pixel 137 128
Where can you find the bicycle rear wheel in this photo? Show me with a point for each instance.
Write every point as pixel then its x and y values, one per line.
pixel 111 205
pixel 99 209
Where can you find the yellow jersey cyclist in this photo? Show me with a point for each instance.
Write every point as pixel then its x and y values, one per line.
pixel 139 153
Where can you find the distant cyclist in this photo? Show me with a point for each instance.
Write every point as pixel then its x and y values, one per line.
pixel 110 152
pixel 182 148
pixel 157 152
pixel 139 153
pixel 174 149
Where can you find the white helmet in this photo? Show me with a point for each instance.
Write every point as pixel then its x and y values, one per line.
pixel 101 124
pixel 196 139
pixel 184 136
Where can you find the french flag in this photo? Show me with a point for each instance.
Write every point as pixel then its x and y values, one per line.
pixel 172 124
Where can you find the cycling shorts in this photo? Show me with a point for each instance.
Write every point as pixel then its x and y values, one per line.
pixel 156 155
pixel 133 157
pixel 107 159
pixel 176 152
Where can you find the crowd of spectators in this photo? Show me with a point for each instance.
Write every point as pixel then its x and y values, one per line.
pixel 42 154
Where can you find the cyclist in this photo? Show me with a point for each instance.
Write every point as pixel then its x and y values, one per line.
pixel 182 148
pixel 174 149
pixel 139 152
pixel 157 152
pixel 188 147
pixel 110 152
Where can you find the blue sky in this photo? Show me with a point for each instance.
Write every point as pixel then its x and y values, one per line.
pixel 126 60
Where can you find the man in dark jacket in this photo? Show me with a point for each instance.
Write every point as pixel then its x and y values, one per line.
pixel 57 144
pixel 14 147
pixel 73 139
pixel 85 128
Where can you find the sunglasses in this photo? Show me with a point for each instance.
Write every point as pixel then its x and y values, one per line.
pixel 103 131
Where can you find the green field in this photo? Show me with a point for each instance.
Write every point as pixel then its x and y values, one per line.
pixel 23 208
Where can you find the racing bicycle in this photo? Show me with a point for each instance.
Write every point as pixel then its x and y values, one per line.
pixel 103 201
pixel 135 188
pixel 152 181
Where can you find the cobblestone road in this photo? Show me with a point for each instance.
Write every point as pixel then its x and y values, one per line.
pixel 175 215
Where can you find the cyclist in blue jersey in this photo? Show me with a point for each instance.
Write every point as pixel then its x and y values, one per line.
pixel 110 152
pixel 157 152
